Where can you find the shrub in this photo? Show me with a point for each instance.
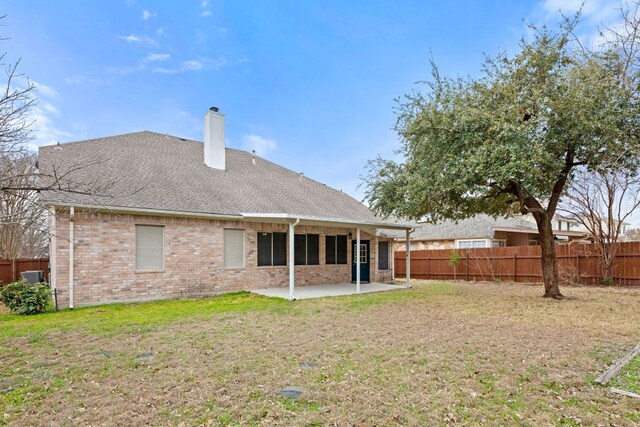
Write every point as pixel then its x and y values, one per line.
pixel 24 298
pixel 607 281
pixel 454 260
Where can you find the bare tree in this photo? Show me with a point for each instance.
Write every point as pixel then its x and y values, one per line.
pixel 602 201
pixel 623 40
pixel 23 221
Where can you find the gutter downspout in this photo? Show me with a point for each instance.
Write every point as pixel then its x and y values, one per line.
pixel 71 218
pixel 408 261
pixel 292 272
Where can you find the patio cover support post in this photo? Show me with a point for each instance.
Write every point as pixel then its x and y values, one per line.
pixel 408 260
pixel 292 271
pixel 357 255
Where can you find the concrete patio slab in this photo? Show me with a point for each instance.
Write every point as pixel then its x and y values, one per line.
pixel 321 291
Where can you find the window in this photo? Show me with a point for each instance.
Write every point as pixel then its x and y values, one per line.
pixel 470 244
pixel 499 243
pixel 533 242
pixel 335 249
pixel 307 249
pixel 364 256
pixel 149 247
pixel 383 255
pixel 272 249
pixel 233 248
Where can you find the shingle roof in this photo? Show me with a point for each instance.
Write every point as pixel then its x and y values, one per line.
pixel 156 171
pixel 479 226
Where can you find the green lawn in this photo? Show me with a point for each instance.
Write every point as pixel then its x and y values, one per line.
pixel 438 354
pixel 629 377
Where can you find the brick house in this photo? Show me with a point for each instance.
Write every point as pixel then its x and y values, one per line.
pixel 168 217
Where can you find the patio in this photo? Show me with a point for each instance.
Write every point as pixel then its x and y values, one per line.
pixel 321 291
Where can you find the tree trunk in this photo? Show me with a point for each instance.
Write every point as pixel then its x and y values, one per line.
pixel 549 264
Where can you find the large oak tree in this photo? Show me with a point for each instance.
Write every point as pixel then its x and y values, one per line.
pixel 508 141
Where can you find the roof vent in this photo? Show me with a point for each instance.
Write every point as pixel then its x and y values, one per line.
pixel 214 109
pixel 253 156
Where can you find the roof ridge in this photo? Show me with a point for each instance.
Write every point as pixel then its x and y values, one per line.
pixel 120 135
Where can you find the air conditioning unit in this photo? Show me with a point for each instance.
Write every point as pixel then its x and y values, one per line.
pixel 33 276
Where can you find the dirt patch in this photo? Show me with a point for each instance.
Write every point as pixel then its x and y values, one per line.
pixel 466 353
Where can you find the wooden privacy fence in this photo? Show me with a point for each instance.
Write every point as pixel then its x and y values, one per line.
pixel 10 269
pixel 577 264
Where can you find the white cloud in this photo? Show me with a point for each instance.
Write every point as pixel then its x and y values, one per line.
pixel 262 146
pixel 594 11
pixel 131 38
pixel 594 15
pixel 147 14
pixel 194 65
pixel 45 130
pixel 156 57
pixel 164 70
pixel 145 40
pixel 204 4
pixel 48 108
pixel 45 90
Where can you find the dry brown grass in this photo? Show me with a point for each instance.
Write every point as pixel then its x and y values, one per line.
pixel 439 354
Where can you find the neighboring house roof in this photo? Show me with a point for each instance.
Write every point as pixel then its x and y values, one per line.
pixel 161 172
pixel 477 227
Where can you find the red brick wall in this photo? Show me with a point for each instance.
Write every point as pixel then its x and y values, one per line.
pixel 104 259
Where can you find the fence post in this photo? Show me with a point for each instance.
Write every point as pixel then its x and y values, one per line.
pixel 466 266
pixel 14 270
pixel 515 276
pixel 427 266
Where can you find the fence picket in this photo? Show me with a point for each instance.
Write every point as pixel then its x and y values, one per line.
pixel 577 264
pixel 10 269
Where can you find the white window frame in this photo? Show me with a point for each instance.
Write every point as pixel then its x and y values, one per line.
pixel 137 269
pixel 503 241
pixel 224 245
pixel 486 243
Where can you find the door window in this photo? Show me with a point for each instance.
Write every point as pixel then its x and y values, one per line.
pixel 363 253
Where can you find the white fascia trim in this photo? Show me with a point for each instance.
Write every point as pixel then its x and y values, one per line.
pixel 292 217
pixel 161 212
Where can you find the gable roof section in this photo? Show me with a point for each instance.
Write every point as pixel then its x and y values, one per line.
pixel 160 172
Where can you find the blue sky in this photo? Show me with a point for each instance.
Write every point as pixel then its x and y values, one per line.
pixel 308 84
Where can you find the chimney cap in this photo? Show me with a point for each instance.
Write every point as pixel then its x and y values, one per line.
pixel 214 109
